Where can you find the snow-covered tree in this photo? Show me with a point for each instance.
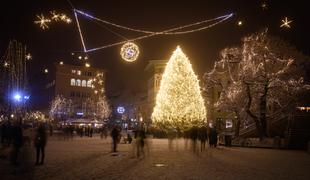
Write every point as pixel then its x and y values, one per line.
pixel 179 104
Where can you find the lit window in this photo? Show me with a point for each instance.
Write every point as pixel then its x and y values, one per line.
pixel 84 83
pixel 73 71
pixel 72 82
pixel 89 83
pixel 78 82
pixel 79 72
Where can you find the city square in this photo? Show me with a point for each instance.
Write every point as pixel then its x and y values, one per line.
pixel 92 159
pixel 154 89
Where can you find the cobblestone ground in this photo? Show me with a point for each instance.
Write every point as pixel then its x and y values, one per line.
pixel 90 158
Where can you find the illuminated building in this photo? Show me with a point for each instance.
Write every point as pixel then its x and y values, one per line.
pixel 77 83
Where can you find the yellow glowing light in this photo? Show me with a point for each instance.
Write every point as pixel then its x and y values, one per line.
pixel 129 52
pixel 240 23
pixel 86 57
pixel 63 17
pixel 286 23
pixel 80 57
pixel 6 64
pixel 42 21
pixel 87 65
pixel 95 91
pixel 61 63
pixel 45 71
pixel 264 5
pixel 179 104
pixel 28 56
pixel 55 16
pixel 68 20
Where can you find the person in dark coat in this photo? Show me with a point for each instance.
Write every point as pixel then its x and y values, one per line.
pixel 40 142
pixel 115 135
pixel 202 136
pixel 17 136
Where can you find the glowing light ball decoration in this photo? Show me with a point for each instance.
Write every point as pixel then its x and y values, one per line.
pixel 120 110
pixel 179 103
pixel 130 52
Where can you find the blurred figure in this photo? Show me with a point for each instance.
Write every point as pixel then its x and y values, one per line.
pixel 6 134
pixel 51 129
pixel 129 138
pixel 213 138
pixel 202 136
pixel 115 137
pixel 17 136
pixel 91 130
pixel 171 136
pixel 194 137
pixel 140 142
pixel 40 142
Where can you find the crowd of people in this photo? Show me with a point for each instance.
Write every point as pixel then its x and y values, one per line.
pixel 15 136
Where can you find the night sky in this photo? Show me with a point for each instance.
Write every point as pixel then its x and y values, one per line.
pixel 60 40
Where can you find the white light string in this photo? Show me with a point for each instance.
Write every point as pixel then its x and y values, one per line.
pixel 150 33
pixel 162 32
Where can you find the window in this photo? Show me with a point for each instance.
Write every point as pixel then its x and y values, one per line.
pixel 83 83
pixel 219 94
pixel 72 94
pixel 72 82
pixel 77 94
pixel 73 71
pixel 78 82
pixel 89 74
pixel 89 83
pixel 78 72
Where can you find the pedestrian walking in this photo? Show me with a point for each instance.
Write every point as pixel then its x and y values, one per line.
pixel 115 136
pixel 40 142
pixel 17 136
pixel 202 136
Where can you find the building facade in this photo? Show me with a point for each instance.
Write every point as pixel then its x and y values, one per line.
pixel 80 85
pixel 154 70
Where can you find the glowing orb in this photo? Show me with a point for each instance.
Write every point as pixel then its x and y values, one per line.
pixel 120 110
pixel 130 52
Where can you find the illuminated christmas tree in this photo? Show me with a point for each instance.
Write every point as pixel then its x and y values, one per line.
pixel 179 104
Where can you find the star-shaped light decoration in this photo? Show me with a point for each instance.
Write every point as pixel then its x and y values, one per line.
pixel 28 56
pixel 42 21
pixel 286 23
pixel 264 5
pixel 55 16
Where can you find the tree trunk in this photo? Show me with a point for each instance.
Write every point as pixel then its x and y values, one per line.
pixel 263 108
pixel 252 115
pixel 237 124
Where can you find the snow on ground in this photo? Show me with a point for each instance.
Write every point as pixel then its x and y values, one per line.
pixel 91 158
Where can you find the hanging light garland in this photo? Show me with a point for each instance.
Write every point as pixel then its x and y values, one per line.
pixel 130 51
